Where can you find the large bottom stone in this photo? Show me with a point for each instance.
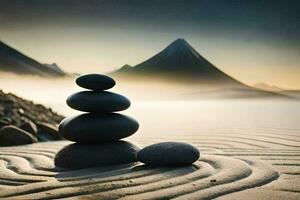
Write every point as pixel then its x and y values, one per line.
pixel 78 156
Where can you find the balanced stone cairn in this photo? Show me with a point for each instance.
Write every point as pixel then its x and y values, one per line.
pixel 97 133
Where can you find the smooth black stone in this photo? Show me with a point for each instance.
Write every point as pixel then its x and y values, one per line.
pixel 95 82
pixel 97 101
pixel 97 128
pixel 4 123
pixel 169 154
pixel 11 135
pixel 47 132
pixel 30 127
pixel 78 156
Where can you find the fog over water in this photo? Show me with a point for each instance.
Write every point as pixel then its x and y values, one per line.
pixel 170 118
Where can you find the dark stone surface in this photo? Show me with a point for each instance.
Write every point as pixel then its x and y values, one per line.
pixel 97 101
pixel 169 154
pixel 3 122
pixel 95 82
pixel 30 127
pixel 47 132
pixel 94 127
pixel 78 156
pixel 12 135
pixel 7 119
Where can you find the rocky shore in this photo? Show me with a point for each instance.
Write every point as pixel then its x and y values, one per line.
pixel 24 122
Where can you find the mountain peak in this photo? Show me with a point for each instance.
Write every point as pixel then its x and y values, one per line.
pixel 126 67
pixel 180 41
pixel 182 48
pixel 180 61
pixel 12 60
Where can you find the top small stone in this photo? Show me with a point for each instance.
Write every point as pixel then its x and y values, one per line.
pixel 95 82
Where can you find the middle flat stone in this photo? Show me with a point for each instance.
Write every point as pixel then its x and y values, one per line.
pixel 97 128
pixel 98 101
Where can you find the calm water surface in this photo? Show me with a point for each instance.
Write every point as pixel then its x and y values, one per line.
pixel 172 119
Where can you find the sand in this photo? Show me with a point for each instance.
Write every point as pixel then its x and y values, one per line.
pixel 235 166
pixel 249 150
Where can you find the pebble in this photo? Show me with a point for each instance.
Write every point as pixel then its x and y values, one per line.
pixel 3 123
pixel 30 127
pixel 169 154
pixel 47 132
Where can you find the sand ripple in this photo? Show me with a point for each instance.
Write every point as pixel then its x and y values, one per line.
pixel 27 172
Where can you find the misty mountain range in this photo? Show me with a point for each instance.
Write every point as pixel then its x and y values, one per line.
pixel 179 62
pixel 13 61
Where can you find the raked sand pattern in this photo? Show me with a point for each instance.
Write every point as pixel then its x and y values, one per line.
pixel 262 165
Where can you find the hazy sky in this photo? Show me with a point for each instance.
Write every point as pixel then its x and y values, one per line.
pixel 252 40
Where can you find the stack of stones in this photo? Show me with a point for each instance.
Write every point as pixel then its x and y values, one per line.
pixel 97 133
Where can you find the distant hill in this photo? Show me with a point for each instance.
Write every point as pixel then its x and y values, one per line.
pixel 238 93
pixel 267 87
pixel 291 93
pixel 11 60
pixel 55 67
pixel 295 94
pixel 180 62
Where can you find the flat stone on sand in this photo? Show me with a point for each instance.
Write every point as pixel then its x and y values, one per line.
pixel 169 154
pixel 95 82
pixel 97 101
pixel 12 135
pixel 79 156
pixel 97 128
